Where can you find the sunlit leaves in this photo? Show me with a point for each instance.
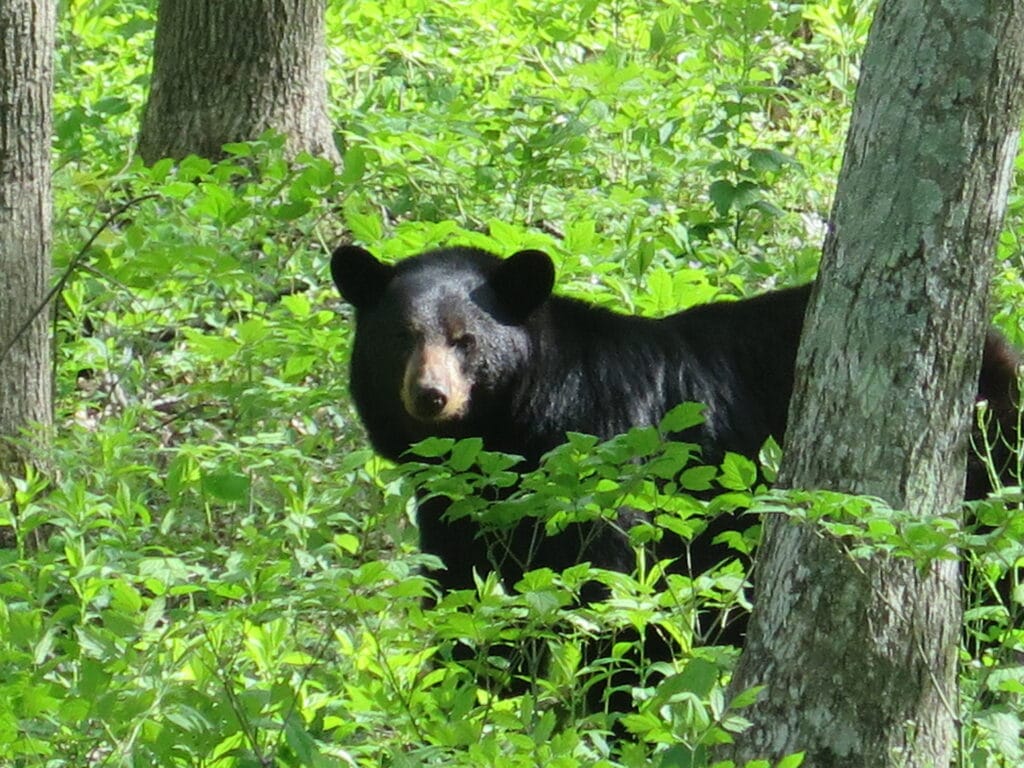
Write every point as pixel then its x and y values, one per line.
pixel 219 572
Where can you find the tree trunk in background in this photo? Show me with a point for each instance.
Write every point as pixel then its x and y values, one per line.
pixel 225 72
pixel 26 213
pixel 858 659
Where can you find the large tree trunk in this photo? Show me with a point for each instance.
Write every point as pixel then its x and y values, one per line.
pixel 225 72
pixel 858 659
pixel 26 212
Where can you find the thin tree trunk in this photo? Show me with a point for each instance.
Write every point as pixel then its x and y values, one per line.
pixel 26 211
pixel 858 659
pixel 228 71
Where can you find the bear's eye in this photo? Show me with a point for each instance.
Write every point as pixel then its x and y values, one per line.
pixel 465 342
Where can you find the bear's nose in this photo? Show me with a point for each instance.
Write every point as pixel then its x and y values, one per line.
pixel 430 401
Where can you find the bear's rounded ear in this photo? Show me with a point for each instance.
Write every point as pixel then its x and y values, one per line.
pixel 523 281
pixel 360 278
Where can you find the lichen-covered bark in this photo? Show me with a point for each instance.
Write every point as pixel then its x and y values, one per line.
pixel 225 72
pixel 26 87
pixel 858 659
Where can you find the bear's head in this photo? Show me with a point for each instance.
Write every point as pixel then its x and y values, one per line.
pixel 440 337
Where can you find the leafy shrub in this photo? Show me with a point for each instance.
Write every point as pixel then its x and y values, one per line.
pixel 218 572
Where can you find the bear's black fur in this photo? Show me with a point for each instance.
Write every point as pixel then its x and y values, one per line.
pixel 458 342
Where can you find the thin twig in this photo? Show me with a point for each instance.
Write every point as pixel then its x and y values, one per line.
pixel 59 286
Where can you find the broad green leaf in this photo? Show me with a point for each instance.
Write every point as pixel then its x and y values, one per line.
pixel 226 486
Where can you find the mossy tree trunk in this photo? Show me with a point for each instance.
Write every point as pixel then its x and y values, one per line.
pixel 228 71
pixel 26 212
pixel 858 659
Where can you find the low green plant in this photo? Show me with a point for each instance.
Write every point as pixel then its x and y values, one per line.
pixel 212 569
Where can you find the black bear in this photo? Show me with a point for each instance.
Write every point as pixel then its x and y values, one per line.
pixel 458 342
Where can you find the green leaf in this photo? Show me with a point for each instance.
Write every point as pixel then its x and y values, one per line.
pixel 699 677
pixel 738 472
pixel 722 194
pixel 698 478
pixel 166 570
pixel 112 105
pixel 642 441
pixel 252 330
pixel 193 168
pixel 354 165
pixel 580 442
pixel 217 348
pixel 239 148
pixel 226 486
pixel 792 761
pixel 680 756
pixel 432 447
pixel 464 454
pixel 300 741
pixel 291 211
pixel 125 598
pixel 770 160
pixel 298 304
pixel 365 224
pixel 298 366
pixel 682 417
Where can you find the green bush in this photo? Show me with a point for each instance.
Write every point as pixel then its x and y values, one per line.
pixel 212 569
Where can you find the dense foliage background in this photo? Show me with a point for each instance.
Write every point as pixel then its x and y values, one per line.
pixel 218 572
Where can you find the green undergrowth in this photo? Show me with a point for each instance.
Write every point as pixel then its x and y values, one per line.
pixel 212 568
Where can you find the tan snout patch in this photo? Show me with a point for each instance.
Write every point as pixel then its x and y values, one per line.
pixel 432 375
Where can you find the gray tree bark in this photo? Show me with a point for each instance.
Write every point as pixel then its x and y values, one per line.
pixel 228 71
pixel 858 659
pixel 26 212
